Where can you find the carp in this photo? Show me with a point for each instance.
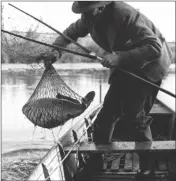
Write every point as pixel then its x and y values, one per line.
pixel 53 112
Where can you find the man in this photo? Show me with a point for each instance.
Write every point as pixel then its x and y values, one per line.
pixel 132 42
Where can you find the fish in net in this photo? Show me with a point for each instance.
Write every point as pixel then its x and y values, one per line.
pixel 53 102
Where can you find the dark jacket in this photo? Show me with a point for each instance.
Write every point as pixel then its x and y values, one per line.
pixel 122 29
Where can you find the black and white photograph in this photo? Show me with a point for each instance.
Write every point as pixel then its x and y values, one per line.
pixel 88 91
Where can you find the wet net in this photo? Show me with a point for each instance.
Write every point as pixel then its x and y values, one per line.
pixel 53 102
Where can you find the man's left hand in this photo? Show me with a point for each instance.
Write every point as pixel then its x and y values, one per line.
pixel 111 61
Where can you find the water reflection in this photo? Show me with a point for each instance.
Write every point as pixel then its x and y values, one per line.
pixel 17 87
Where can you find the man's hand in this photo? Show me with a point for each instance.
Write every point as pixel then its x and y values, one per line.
pixel 111 61
pixel 48 58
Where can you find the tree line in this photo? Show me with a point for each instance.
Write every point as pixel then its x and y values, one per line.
pixel 16 50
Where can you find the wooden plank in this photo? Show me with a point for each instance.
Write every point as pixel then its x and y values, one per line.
pixel 124 176
pixel 115 164
pixel 114 176
pixel 113 179
pixel 112 160
pixel 155 146
pixel 162 164
pixel 122 163
pixel 128 174
pixel 104 165
pixel 131 179
pixel 135 162
pixel 128 162
pixel 109 164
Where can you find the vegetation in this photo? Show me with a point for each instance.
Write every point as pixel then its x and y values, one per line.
pixel 16 50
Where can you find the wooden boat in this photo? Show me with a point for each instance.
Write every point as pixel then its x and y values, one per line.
pixel 66 161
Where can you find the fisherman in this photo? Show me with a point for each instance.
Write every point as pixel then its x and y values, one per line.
pixel 131 42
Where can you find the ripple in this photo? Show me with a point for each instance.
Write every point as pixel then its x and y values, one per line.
pixel 17 165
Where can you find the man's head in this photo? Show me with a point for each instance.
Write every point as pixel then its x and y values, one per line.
pixel 86 6
pixel 90 9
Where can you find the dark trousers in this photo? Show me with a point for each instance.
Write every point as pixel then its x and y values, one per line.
pixel 130 100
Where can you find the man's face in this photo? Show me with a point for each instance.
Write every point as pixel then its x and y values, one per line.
pixel 94 14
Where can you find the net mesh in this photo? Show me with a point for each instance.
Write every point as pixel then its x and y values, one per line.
pixel 53 102
pixel 50 85
pixel 17 50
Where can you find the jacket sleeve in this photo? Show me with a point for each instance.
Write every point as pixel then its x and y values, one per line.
pixel 74 31
pixel 149 45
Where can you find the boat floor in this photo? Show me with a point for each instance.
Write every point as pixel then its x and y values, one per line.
pixel 126 168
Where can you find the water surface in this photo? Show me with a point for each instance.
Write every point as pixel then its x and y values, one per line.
pixel 19 82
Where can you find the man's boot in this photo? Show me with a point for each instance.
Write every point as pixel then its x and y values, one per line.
pixel 103 133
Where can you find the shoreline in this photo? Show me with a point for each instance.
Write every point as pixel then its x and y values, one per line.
pixel 63 66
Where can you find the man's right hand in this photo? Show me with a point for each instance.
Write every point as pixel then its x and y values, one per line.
pixel 48 58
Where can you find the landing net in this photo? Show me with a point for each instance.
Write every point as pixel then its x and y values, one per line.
pixel 53 102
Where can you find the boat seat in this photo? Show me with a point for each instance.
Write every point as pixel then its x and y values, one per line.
pixel 115 147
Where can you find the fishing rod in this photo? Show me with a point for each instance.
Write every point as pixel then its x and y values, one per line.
pixel 92 57
pixel 65 36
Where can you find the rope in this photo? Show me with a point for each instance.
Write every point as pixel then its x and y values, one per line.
pixel 59 131
pixel 33 132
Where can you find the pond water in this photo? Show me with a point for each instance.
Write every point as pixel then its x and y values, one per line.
pixel 19 82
